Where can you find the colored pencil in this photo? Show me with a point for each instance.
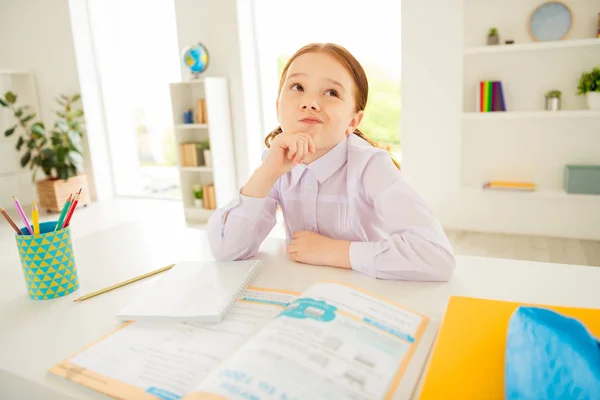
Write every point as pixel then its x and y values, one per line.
pixel 127 282
pixel 63 213
pixel 23 216
pixel 35 216
pixel 10 221
pixel 72 209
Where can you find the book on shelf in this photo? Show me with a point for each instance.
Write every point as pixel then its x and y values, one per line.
pixel 201 115
pixel 490 96
pixel 191 154
pixel 510 185
pixel 209 197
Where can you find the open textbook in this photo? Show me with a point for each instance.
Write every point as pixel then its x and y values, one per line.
pixel 333 341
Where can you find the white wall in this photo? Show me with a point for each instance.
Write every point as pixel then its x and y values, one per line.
pixel 36 35
pixel 447 158
pixel 219 26
pixel 432 97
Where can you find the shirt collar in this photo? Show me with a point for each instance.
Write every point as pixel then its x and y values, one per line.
pixel 324 166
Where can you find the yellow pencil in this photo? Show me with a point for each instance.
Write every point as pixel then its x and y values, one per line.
pixel 127 282
pixel 35 216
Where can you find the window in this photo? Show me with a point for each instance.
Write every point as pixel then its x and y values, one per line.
pixel 370 31
pixel 135 45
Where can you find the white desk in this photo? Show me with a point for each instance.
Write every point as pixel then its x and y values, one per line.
pixel 34 335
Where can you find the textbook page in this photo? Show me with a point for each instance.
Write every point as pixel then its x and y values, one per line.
pixel 334 341
pixel 168 360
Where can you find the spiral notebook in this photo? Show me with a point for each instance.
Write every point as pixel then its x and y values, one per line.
pixel 193 291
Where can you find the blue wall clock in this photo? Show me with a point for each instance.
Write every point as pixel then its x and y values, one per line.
pixel 550 21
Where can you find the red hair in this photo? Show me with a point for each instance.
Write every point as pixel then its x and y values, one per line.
pixel 358 76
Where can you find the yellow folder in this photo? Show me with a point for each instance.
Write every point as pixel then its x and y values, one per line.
pixel 467 360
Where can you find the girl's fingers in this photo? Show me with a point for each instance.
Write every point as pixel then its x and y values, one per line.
pixel 306 147
pixel 300 152
pixel 292 148
pixel 311 143
pixel 301 148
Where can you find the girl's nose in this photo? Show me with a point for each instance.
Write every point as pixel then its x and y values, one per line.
pixel 310 104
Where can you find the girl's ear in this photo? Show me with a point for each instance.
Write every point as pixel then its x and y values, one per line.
pixel 354 122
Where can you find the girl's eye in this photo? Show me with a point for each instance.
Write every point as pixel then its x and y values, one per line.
pixel 297 87
pixel 331 92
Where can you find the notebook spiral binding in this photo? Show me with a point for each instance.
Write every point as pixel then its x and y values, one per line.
pixel 256 268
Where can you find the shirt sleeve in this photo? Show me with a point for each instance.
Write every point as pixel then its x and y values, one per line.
pixel 236 230
pixel 416 247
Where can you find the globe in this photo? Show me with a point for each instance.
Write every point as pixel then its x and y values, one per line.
pixel 195 57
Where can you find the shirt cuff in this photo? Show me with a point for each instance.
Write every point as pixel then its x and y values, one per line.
pixel 246 207
pixel 361 257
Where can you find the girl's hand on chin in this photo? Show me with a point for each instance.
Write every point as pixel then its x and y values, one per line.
pixel 288 150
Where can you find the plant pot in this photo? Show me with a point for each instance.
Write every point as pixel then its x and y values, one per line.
pixel 593 100
pixel 207 158
pixel 493 40
pixel 552 103
pixel 53 193
pixel 198 203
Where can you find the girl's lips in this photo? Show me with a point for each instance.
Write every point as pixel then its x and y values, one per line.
pixel 311 121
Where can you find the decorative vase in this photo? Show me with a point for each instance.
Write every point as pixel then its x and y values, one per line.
pixel 552 103
pixel 493 40
pixel 207 158
pixel 198 203
pixel 593 100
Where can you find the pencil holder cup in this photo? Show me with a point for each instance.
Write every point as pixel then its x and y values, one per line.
pixel 48 262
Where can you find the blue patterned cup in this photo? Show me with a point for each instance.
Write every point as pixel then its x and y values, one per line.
pixel 48 262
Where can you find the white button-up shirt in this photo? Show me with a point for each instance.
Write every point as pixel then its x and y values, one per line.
pixel 354 192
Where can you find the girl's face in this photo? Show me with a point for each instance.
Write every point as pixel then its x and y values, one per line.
pixel 317 97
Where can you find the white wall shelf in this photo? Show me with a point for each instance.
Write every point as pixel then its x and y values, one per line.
pixel 540 193
pixel 217 130
pixel 197 214
pixel 526 142
pixel 191 126
pixel 509 48
pixel 14 72
pixel 197 169
pixel 531 114
pixel 189 83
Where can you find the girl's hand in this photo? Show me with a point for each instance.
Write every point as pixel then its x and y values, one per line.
pixel 311 248
pixel 288 150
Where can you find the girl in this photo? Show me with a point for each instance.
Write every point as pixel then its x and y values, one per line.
pixel 344 201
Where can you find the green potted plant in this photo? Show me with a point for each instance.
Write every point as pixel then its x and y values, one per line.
pixel 553 100
pixel 589 84
pixel 198 196
pixel 56 151
pixel 493 38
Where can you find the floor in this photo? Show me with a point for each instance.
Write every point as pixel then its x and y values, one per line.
pixel 103 215
pixel 530 248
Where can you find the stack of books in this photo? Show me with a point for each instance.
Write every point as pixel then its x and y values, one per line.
pixel 490 96
pixel 191 154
